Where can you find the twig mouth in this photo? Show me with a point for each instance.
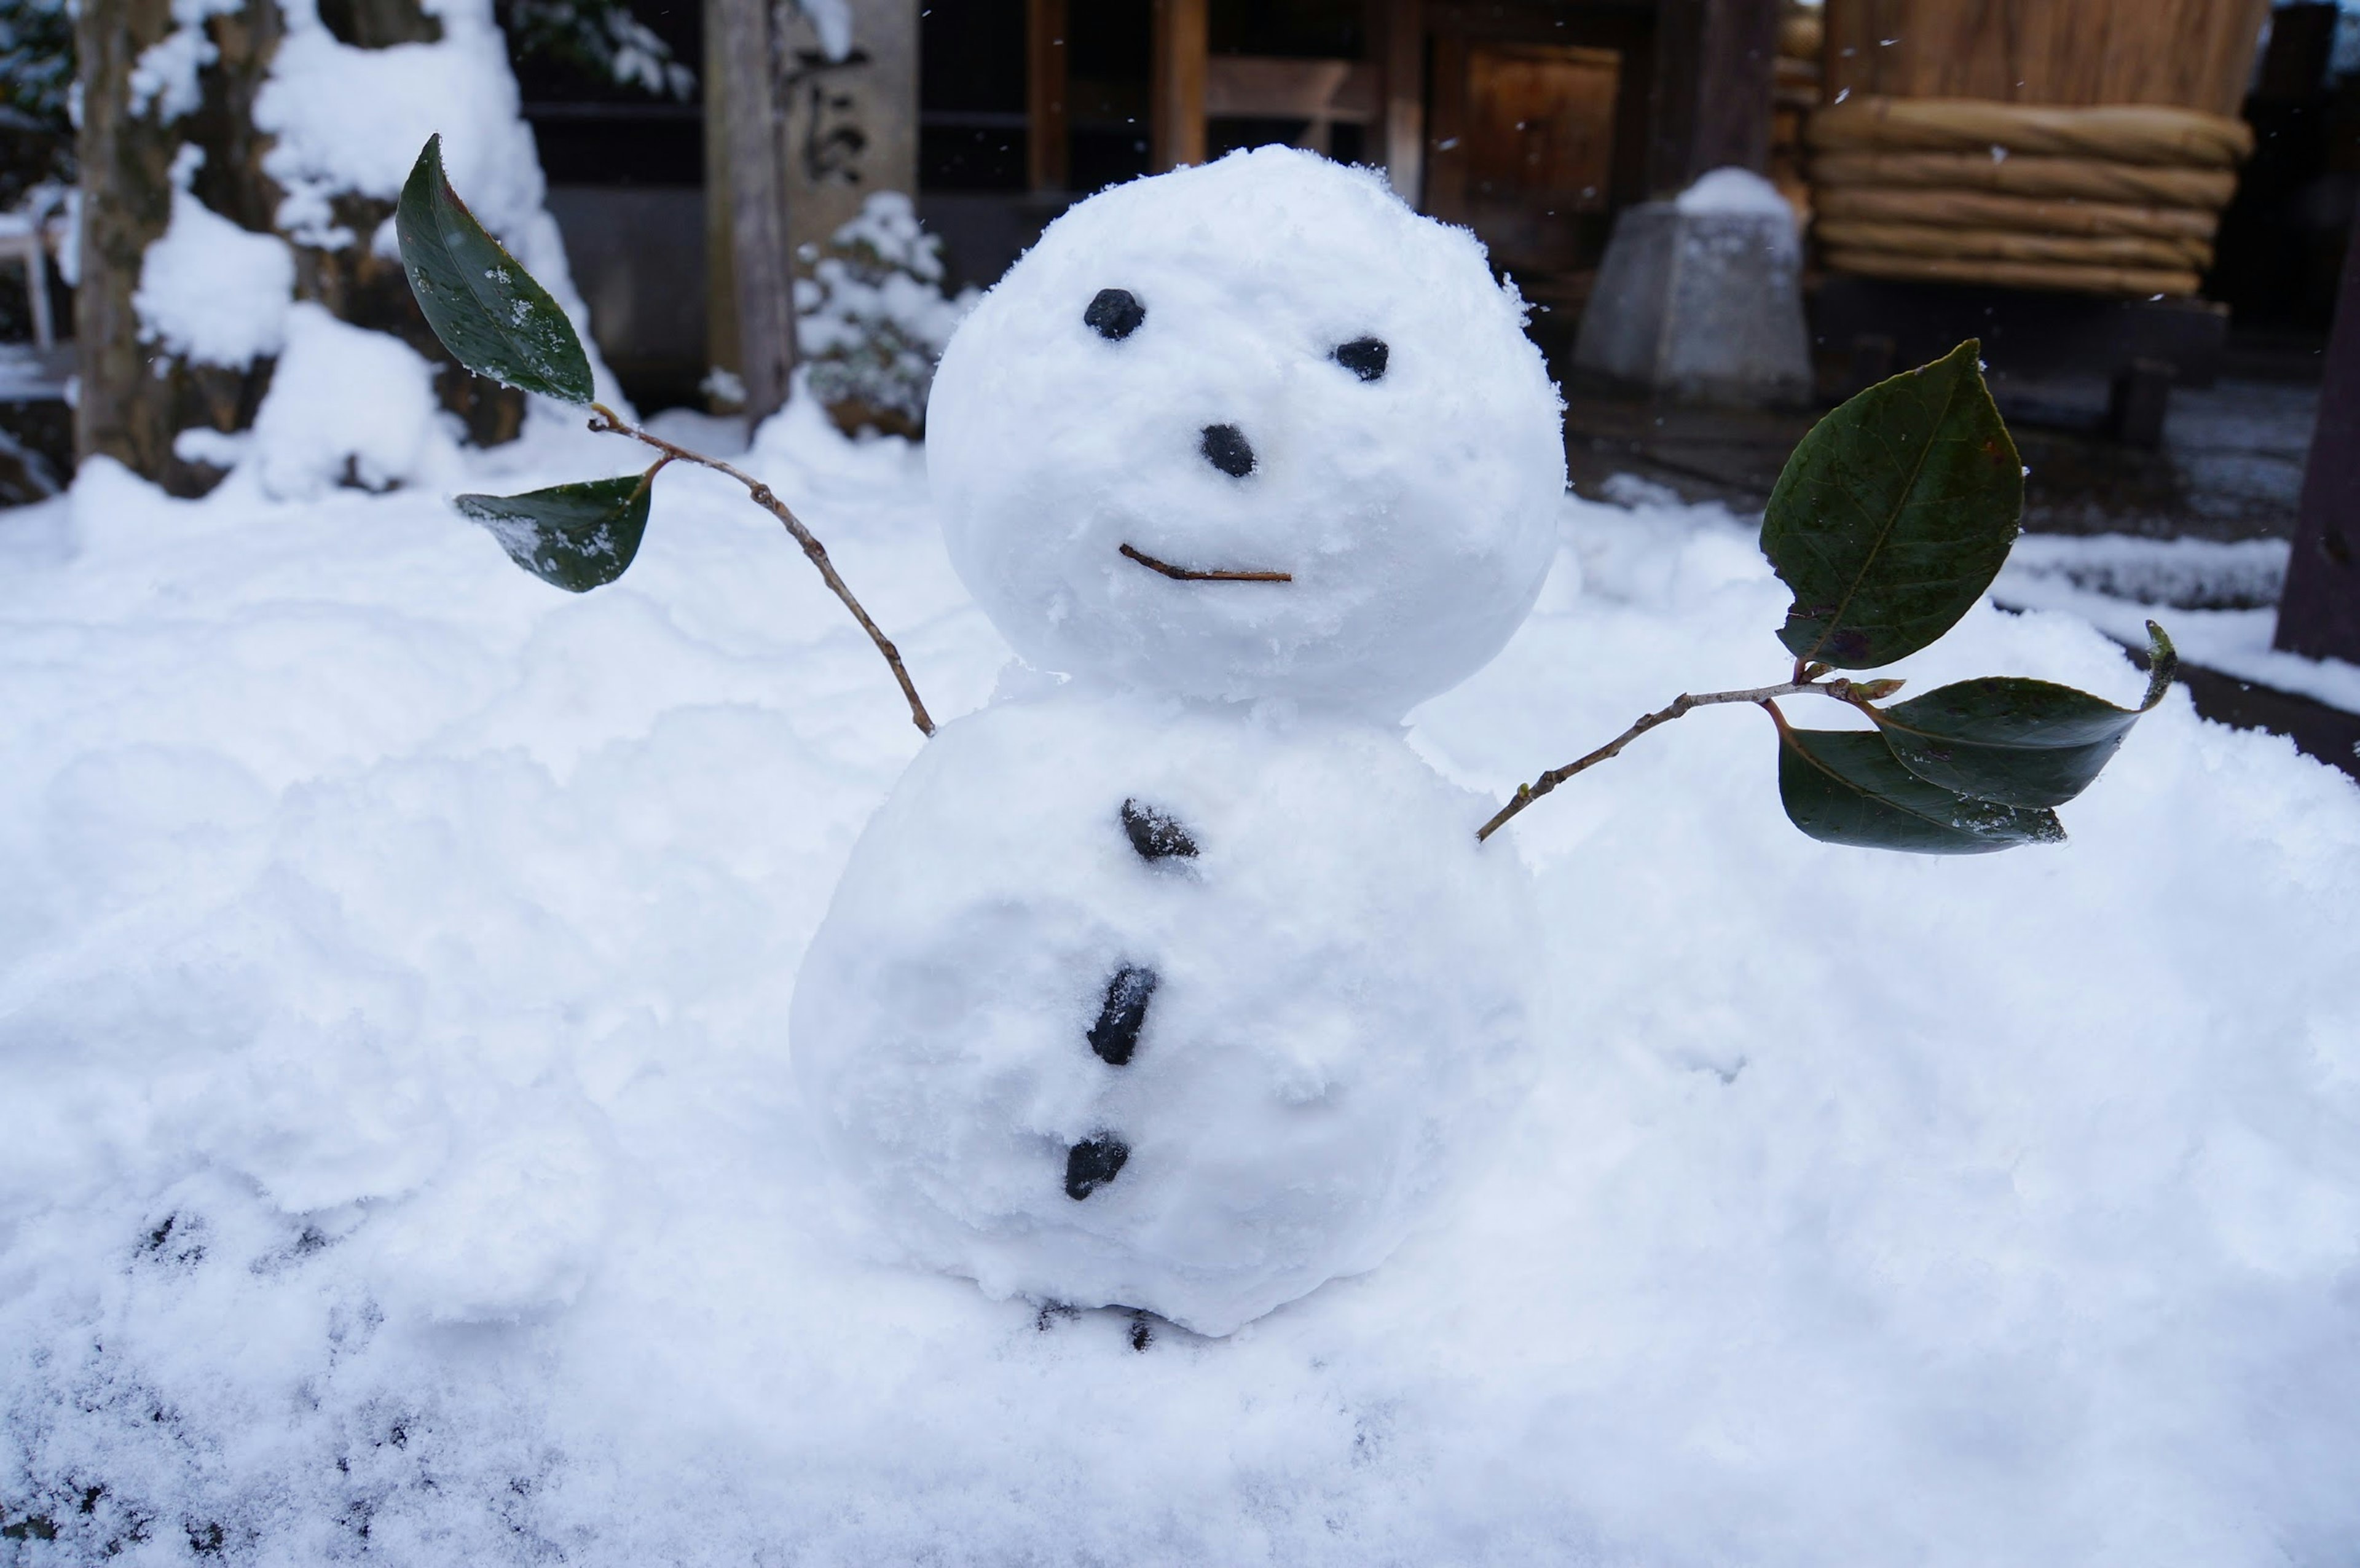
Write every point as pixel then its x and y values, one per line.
pixel 1182 574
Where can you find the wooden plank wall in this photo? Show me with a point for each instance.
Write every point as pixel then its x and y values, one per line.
pixel 2193 53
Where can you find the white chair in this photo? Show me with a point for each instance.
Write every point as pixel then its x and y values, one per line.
pixel 20 240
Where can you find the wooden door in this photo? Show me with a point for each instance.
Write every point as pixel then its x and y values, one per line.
pixel 1521 148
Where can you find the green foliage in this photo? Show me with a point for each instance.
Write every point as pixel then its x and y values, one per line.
pixel 578 537
pixel 1893 516
pixel 2022 743
pixel 497 322
pixel 1891 520
pixel 1847 787
pixel 37 74
pixel 485 308
pixel 601 37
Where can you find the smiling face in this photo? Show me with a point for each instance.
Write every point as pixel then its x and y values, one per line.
pixel 1250 429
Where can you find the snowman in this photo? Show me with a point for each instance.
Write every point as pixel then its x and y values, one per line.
pixel 1174 979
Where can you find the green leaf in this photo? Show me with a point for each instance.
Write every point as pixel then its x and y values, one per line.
pixel 2021 743
pixel 485 308
pixel 1846 787
pixel 578 537
pixel 1893 515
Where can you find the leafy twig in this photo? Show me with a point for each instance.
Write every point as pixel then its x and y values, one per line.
pixel 606 421
pixel 1841 691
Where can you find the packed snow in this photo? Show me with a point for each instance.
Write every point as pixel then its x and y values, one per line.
pixel 407 1158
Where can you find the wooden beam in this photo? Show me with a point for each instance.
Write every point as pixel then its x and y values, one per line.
pixel 746 185
pixel 1397 46
pixel 1047 162
pixel 1716 72
pixel 1176 113
pixel 2319 616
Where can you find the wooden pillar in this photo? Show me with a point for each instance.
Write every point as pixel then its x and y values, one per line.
pixel 848 104
pixel 1397 45
pixel 124 411
pixel 1716 67
pixel 2319 614
pixel 1046 161
pixel 750 278
pixel 1176 110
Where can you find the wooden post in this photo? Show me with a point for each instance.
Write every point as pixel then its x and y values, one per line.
pixel 723 352
pixel 124 410
pixel 1046 161
pixel 849 108
pixel 1397 45
pixel 745 195
pixel 2319 616
pixel 1716 69
pixel 1177 109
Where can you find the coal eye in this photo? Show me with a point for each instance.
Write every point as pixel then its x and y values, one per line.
pixel 1116 313
pixel 1365 357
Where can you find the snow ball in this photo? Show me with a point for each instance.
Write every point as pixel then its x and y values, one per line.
pixel 1125 1000
pixel 347 406
pixel 1229 430
pixel 212 292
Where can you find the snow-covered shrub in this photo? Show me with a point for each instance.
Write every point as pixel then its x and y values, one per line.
pixel 873 318
pixel 602 36
pixel 37 74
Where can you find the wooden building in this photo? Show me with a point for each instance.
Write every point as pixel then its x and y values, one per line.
pixel 1531 121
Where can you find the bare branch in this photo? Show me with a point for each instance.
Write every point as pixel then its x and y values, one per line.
pixel 607 424
pixel 1841 691
pixel 1182 574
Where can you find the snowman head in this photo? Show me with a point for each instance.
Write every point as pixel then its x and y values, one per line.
pixel 1250 429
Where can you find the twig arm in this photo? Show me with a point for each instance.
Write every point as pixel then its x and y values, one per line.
pixel 1841 691
pixel 606 423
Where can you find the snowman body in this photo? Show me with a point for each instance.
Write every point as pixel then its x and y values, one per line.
pixel 1185 985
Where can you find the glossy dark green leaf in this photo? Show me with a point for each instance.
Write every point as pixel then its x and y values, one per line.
pixel 1846 787
pixel 1893 515
pixel 2021 743
pixel 578 537
pixel 485 308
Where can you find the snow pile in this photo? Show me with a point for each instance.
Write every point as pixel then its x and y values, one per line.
pixel 1130 383
pixel 872 317
pixel 212 292
pixel 349 407
pixel 345 119
pixel 2184 573
pixel 405 1159
pixel 2217 599
pixel 1735 190
pixel 164 78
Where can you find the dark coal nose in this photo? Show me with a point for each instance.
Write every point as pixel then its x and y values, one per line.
pixel 1227 449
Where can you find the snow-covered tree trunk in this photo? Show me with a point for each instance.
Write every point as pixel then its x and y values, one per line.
pixel 240 162
pixel 135 119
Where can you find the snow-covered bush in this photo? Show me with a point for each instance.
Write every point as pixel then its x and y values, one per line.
pixel 873 319
pixel 36 73
pixel 602 36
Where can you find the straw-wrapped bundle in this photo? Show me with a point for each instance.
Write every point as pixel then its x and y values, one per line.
pixel 2081 144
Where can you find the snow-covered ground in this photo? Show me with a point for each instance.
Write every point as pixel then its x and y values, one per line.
pixel 2220 598
pixel 403 1158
